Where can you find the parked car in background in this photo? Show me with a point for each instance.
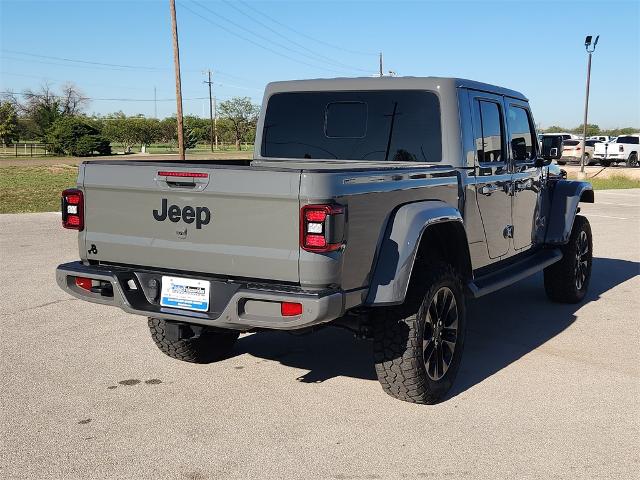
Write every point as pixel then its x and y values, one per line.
pixel 625 148
pixel 572 152
pixel 564 135
pixel 601 138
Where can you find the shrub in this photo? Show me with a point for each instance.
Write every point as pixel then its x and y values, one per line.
pixel 78 137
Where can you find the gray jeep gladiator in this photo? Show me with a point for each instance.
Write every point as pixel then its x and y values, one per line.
pixel 376 204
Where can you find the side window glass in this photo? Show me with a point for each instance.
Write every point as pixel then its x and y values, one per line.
pixel 489 135
pixel 522 134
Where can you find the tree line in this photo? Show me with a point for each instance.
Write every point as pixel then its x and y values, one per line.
pixel 592 130
pixel 59 119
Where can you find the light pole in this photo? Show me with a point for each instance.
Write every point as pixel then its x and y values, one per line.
pixel 590 49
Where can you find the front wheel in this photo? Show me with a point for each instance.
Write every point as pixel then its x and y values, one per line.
pixel 418 346
pixel 567 281
pixel 632 161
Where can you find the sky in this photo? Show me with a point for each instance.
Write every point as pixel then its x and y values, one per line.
pixel 117 52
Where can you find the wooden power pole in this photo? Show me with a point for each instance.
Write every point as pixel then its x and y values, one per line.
pixel 176 61
pixel 211 109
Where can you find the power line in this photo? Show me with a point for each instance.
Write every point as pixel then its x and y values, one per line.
pixel 322 57
pixel 37 95
pixel 259 45
pixel 341 48
pixel 88 62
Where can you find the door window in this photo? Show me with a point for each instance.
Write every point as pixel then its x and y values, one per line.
pixel 522 134
pixel 489 135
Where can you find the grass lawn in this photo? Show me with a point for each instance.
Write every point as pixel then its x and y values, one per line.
pixel 34 189
pixel 614 182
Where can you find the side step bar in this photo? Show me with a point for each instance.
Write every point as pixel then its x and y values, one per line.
pixel 513 273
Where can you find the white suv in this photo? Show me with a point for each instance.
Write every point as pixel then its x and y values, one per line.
pixel 625 148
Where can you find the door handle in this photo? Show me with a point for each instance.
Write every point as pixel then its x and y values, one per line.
pixel 523 185
pixel 489 189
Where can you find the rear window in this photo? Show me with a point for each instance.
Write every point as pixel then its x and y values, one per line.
pixel 632 140
pixel 571 143
pixel 591 143
pixel 401 125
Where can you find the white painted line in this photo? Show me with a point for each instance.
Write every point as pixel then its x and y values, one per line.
pixel 603 216
pixel 633 192
pixel 619 204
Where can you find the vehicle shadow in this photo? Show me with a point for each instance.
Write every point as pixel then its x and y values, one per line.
pixel 502 327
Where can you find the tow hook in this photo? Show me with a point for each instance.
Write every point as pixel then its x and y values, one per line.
pixel 175 331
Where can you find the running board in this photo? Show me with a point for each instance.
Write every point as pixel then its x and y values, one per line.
pixel 513 273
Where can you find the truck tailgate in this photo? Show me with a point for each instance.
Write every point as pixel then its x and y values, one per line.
pixel 224 220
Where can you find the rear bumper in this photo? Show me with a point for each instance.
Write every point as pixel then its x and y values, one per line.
pixel 233 305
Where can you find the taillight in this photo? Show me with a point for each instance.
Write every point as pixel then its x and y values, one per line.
pixel 322 227
pixel 73 209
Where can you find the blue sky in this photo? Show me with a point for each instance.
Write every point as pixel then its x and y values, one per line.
pixel 534 47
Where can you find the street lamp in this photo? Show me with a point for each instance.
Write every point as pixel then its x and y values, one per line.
pixel 590 47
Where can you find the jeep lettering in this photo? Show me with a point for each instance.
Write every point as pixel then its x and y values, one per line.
pixel 201 215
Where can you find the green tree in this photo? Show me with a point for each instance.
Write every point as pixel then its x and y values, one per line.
pixel 190 138
pixel 78 137
pixel 242 114
pixel 554 129
pixel 9 131
pixel 130 131
pixel 43 107
pixel 592 129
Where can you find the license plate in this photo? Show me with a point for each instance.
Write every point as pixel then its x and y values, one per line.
pixel 185 293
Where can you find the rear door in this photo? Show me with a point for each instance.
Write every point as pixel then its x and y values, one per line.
pixel 228 221
pixel 527 178
pixel 493 181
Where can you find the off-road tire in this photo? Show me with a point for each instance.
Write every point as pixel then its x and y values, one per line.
pixel 209 346
pixel 632 161
pixel 398 334
pixel 563 281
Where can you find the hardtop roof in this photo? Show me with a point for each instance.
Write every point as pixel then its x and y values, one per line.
pixel 382 83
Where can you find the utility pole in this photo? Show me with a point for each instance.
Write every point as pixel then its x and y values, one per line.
pixel 381 74
pixel 155 103
pixel 211 110
pixel 176 61
pixel 215 120
pixel 590 50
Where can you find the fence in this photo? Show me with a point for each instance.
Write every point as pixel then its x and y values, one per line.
pixel 27 150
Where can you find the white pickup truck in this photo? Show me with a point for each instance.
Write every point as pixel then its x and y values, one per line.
pixel 625 148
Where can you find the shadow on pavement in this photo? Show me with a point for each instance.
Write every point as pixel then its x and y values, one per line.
pixel 502 327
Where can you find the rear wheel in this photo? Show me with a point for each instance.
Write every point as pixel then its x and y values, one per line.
pixel 567 281
pixel 209 345
pixel 418 346
pixel 632 161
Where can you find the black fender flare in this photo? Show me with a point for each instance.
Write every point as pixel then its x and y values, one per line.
pixel 399 247
pixel 564 207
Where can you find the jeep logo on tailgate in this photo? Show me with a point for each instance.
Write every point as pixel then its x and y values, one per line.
pixel 188 214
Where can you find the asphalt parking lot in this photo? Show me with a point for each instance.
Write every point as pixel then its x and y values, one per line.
pixel 544 391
